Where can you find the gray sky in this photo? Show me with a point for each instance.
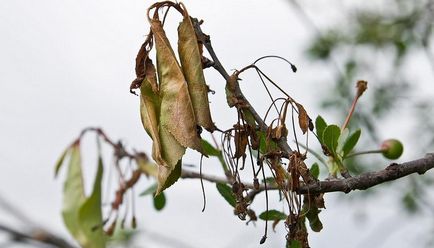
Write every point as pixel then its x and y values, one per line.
pixel 66 65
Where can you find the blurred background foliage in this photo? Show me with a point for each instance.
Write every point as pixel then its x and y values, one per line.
pixel 391 46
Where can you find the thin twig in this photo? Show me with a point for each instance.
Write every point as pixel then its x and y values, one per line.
pixel 205 39
pixel 39 235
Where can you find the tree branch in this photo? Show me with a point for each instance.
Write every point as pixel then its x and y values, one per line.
pixel 188 174
pixel 38 235
pixel 205 39
pixel 370 179
pixel 360 182
pixel 33 232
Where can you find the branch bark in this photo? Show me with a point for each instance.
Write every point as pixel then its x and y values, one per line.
pixel 32 232
pixel 39 235
pixel 361 182
pixel 217 65
pixel 370 179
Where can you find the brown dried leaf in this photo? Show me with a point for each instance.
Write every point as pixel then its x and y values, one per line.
pixel 176 114
pixel 303 118
pixel 166 150
pixel 275 222
pixel 230 90
pixel 191 60
pixel 142 65
pixel 150 109
pixel 280 131
pixel 241 141
pixel 279 172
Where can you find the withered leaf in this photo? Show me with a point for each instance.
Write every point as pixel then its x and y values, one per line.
pixel 303 118
pixel 150 109
pixel 230 90
pixel 166 150
pixel 191 61
pixel 167 177
pixel 146 166
pixel 280 131
pixel 176 114
pixel 142 66
pixel 241 140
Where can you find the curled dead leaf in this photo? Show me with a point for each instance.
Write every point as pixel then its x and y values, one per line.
pixel 176 114
pixel 150 109
pixel 303 118
pixel 230 90
pixel 241 140
pixel 190 55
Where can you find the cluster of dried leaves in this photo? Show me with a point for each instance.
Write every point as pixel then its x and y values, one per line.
pixel 174 108
pixel 174 96
pixel 287 168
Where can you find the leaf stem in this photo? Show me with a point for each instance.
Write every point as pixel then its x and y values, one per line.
pixel 364 152
pixel 361 87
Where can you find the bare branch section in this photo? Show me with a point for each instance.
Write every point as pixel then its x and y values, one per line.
pixel 32 233
pixel 370 179
pixel 36 235
pixel 360 182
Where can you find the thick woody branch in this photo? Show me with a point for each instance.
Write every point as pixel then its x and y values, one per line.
pixel 370 179
pixel 360 182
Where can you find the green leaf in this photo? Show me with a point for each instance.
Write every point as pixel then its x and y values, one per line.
pixel 150 190
pixel 351 142
pixel 410 203
pixel 266 145
pixel 73 194
pixel 310 208
pixel 60 160
pixel 314 170
pixel 226 192
pixel 314 221
pixel 345 133
pixel 272 215
pixel 294 244
pixel 90 215
pixel 210 150
pixel 159 201
pixel 320 125
pixel 269 180
pixel 330 137
pixel 147 167
pixel 169 177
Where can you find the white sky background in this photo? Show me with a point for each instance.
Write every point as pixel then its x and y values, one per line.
pixel 66 65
